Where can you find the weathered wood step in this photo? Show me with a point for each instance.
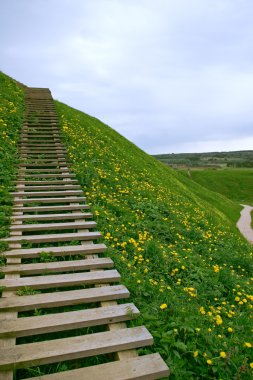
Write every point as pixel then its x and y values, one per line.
pixel 29 171
pixel 148 367
pixel 51 187
pixel 46 151
pixel 57 251
pixel 62 280
pixel 64 298
pixel 22 194
pixel 67 321
pixel 50 182
pixel 51 208
pixel 58 266
pixel 42 175
pixel 31 162
pixel 54 237
pixel 34 162
pixel 51 200
pixel 53 226
pixel 75 347
pixel 42 217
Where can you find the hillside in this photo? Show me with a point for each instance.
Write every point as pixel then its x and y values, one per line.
pixel 11 114
pixel 186 266
pixel 188 270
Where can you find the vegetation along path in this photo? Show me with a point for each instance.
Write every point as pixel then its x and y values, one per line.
pixel 60 293
pixel 244 223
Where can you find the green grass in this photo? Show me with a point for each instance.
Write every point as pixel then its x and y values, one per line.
pixel 176 247
pixel 11 114
pixel 235 184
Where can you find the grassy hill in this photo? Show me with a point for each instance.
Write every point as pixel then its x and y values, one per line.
pixel 186 266
pixel 173 241
pixel 235 184
pixel 11 114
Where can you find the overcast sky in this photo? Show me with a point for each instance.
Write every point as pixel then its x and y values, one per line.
pixel 170 75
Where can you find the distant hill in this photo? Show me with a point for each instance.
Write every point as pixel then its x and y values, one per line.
pixel 237 159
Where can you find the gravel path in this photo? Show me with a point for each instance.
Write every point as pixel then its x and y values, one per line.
pixel 244 223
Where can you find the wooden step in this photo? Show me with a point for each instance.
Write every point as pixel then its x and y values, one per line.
pixel 69 216
pixel 56 251
pixel 45 151
pixel 33 162
pixel 54 237
pixel 62 280
pixel 50 200
pixel 53 226
pixel 64 298
pixel 42 175
pixel 67 321
pixel 58 266
pixel 148 367
pixel 30 171
pixel 50 187
pixel 51 208
pixel 52 182
pixel 21 194
pixel 52 351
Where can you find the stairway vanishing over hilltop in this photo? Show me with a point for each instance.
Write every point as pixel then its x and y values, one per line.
pixel 53 251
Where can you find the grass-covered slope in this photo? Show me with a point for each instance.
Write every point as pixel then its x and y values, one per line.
pixel 11 114
pixel 187 269
pixel 235 184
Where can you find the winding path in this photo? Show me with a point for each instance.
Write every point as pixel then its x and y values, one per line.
pixel 244 223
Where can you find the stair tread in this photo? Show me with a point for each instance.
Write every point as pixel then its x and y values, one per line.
pixel 68 320
pixel 59 280
pixel 75 347
pixel 148 367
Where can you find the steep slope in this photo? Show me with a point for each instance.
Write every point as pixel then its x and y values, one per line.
pixel 187 267
pixel 11 113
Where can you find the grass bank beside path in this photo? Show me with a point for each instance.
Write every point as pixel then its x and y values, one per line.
pixel 188 270
pixel 11 118
pixel 235 184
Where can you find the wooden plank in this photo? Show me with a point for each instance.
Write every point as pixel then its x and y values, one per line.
pixel 58 266
pixel 54 237
pixel 24 171
pixel 21 194
pixel 75 347
pixel 148 367
pixel 64 298
pixel 44 217
pixel 62 280
pixel 51 208
pixel 51 187
pixel 57 251
pixel 50 200
pixel 43 163
pixel 53 226
pixel 56 175
pixel 67 321
pixel 52 182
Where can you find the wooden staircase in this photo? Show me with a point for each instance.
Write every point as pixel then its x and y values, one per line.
pixel 51 249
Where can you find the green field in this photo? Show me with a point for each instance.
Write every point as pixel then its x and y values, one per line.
pixel 235 184
pixel 236 159
pixel 174 242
